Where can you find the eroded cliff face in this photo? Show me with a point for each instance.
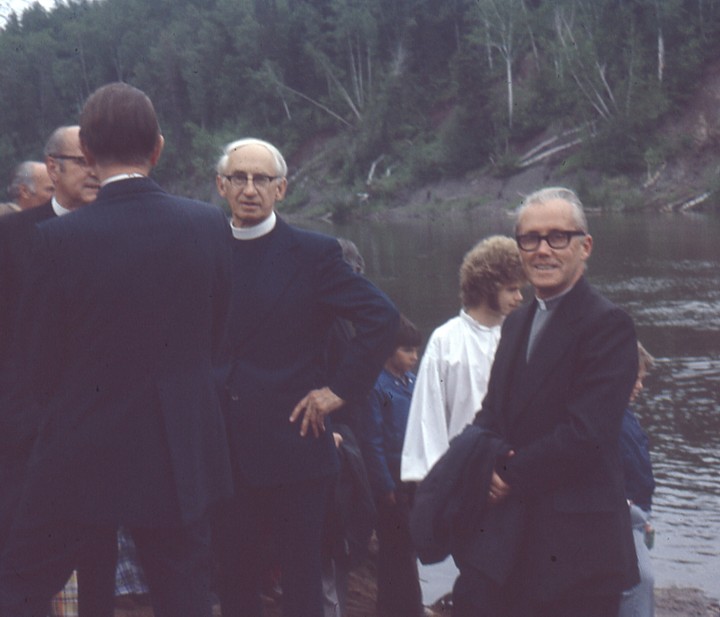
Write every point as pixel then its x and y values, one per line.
pixel 682 173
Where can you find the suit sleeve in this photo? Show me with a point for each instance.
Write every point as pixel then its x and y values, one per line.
pixel 37 336
pixel 603 371
pixel 374 317
pixel 222 290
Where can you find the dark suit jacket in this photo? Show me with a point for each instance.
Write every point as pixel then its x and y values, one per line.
pixel 290 286
pixel 125 306
pixel 16 233
pixel 17 428
pixel 562 412
pixel 450 513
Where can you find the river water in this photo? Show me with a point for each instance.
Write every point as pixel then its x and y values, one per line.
pixel 665 271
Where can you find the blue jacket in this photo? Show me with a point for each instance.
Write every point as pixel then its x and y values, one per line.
pixel 637 468
pixel 382 424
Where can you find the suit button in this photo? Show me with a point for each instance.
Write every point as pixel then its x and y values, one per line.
pixel 234 397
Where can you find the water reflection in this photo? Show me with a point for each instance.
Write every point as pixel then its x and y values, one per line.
pixel 663 269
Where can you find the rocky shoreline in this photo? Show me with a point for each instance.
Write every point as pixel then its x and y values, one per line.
pixel 669 602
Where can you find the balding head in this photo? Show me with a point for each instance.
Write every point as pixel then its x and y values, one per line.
pixel 75 182
pixel 31 185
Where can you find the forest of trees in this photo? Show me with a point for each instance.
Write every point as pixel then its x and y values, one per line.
pixel 408 91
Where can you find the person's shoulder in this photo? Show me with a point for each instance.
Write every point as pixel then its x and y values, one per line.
pixel 586 301
pixel 311 245
pixel 309 237
pixel 452 327
pixel 600 305
pixel 385 380
pixel 27 217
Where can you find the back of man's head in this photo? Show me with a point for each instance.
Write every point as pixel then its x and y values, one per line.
pixel 118 124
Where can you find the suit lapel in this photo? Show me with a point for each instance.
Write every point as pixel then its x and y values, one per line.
pixel 551 346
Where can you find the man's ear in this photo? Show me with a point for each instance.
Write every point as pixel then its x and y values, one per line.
pixel 220 184
pixel 157 150
pixel 281 189
pixel 91 161
pixel 25 192
pixel 52 168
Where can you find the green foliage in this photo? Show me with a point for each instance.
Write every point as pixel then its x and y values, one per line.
pixel 608 193
pixel 426 86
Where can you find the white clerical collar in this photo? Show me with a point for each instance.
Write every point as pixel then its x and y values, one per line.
pixel 58 209
pixel 550 303
pixel 256 231
pixel 117 177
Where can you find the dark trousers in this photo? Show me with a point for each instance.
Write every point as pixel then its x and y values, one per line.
pixel 95 561
pixel 290 515
pixel 37 562
pixel 475 595
pixel 398 586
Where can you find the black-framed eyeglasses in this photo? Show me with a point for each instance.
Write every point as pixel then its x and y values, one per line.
pixel 78 160
pixel 260 181
pixel 556 239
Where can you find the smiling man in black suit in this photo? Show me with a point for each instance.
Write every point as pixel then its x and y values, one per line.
pixel 561 379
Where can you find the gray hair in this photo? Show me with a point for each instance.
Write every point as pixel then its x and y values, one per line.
pixel 280 164
pixel 56 141
pixel 351 255
pixel 22 176
pixel 552 193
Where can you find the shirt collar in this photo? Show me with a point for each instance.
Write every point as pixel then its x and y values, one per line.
pixel 550 303
pixel 476 324
pixel 256 231
pixel 58 209
pixel 118 177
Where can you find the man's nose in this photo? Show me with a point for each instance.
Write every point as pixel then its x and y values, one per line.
pixel 544 247
pixel 250 187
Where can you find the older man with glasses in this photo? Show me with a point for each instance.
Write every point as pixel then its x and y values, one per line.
pixel 562 377
pixel 290 286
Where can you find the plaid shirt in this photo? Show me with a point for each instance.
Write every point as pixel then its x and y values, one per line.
pixel 129 579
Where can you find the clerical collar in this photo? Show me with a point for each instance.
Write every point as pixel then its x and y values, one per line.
pixel 550 303
pixel 58 209
pixel 256 231
pixel 117 177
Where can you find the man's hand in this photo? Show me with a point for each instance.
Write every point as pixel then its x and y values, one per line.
pixel 313 408
pixel 499 489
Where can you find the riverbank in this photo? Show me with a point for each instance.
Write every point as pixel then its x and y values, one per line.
pixel 672 602
pixel 669 602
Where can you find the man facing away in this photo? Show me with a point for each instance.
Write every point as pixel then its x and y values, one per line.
pixel 124 310
pixel 30 187
pixel 290 286
pixel 562 376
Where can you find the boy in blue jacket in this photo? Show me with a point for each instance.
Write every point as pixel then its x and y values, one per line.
pixel 382 430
